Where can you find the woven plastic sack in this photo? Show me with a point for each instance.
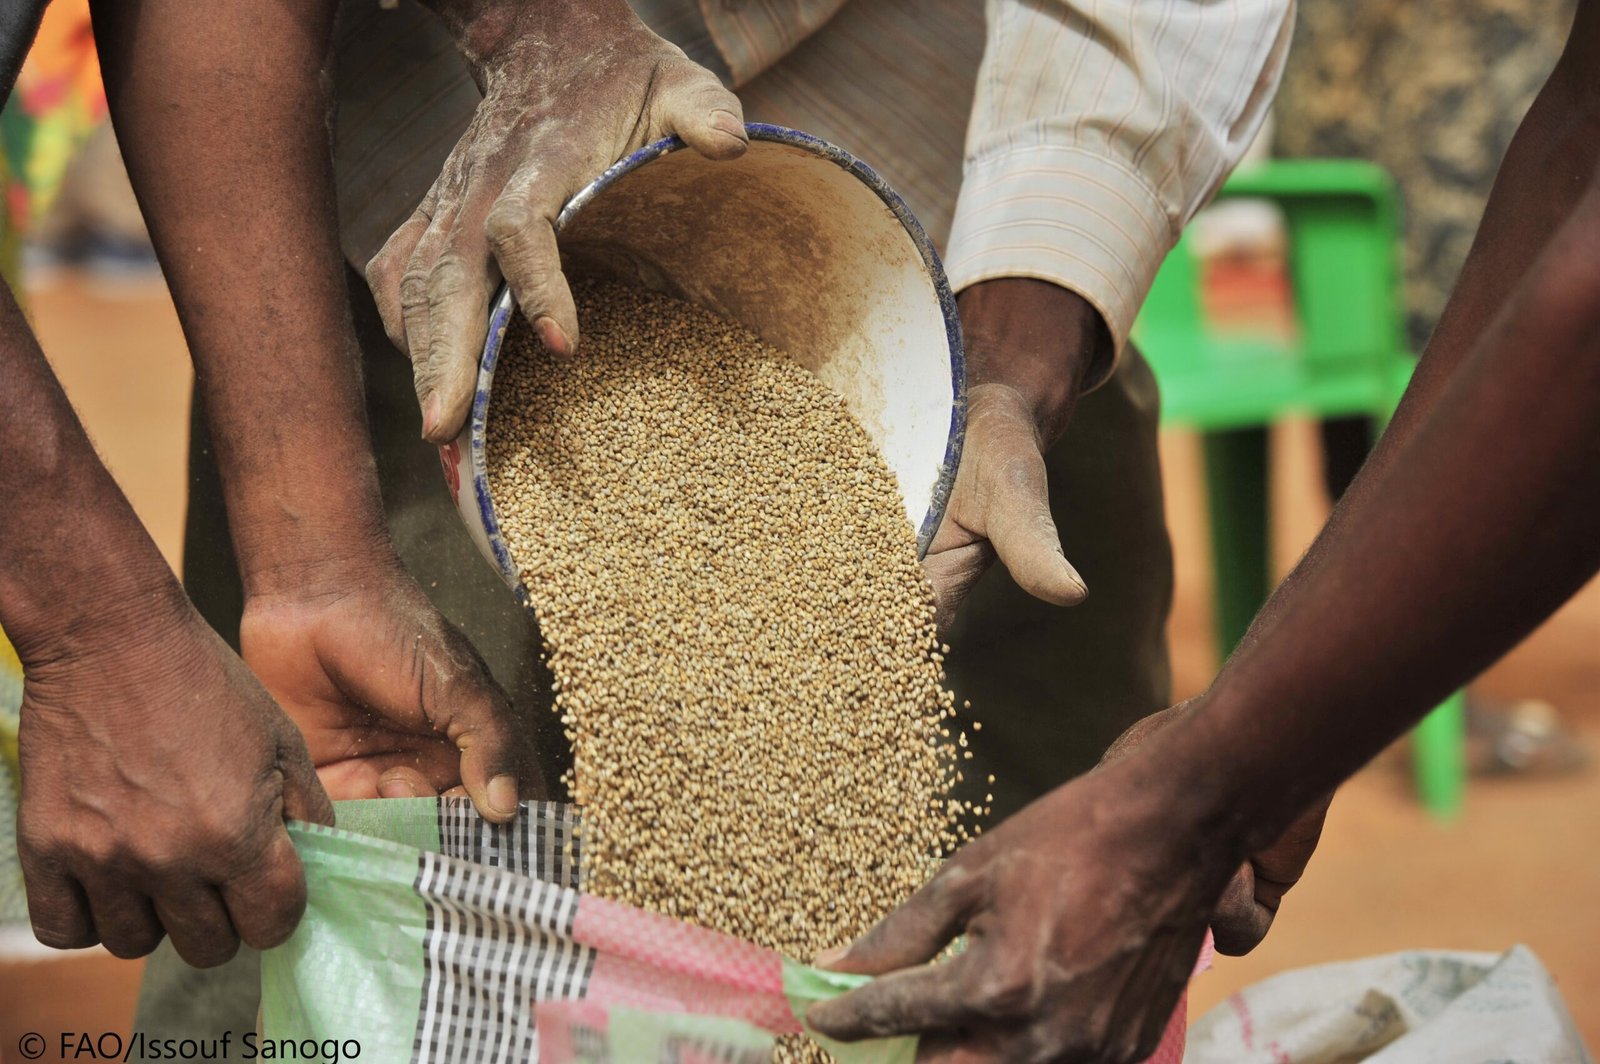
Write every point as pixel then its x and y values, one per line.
pixel 434 936
pixel 13 900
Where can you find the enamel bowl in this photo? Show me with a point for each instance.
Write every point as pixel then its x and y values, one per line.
pixel 803 244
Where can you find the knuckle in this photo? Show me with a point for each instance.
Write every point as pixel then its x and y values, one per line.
pixel 214 949
pixel 380 269
pixel 131 943
pixel 1004 990
pixel 95 850
pixel 61 935
pixel 414 288
pixel 447 280
pixel 953 887
pixel 507 223
pixel 274 905
pixel 236 854
pixel 277 924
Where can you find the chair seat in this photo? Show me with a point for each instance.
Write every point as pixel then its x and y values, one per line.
pixel 1238 384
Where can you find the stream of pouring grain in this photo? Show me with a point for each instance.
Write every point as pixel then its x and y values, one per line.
pixel 741 636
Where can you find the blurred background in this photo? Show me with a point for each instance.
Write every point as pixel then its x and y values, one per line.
pixel 1497 855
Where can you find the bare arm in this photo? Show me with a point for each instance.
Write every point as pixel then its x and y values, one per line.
pixel 156 773
pixel 223 110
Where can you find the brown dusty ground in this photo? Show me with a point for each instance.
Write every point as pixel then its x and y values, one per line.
pixel 1519 866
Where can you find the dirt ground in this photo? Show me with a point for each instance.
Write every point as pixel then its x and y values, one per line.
pixel 1518 865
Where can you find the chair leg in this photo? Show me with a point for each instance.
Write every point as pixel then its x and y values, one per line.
pixel 1438 751
pixel 1236 486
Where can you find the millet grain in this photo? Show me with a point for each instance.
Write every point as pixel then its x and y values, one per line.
pixel 739 630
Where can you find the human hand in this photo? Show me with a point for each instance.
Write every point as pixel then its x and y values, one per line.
pixel 1246 910
pixel 156 778
pixel 392 699
pixel 570 87
pixel 1031 346
pixel 1084 916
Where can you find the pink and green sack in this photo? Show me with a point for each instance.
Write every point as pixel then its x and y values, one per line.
pixel 432 936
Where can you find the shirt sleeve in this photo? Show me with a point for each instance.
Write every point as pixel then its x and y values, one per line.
pixel 1099 128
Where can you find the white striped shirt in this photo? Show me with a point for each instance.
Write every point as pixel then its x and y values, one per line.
pixel 1098 127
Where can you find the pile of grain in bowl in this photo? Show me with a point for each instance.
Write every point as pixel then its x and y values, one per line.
pixel 740 633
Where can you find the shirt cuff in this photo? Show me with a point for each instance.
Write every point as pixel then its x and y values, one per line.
pixel 1064 214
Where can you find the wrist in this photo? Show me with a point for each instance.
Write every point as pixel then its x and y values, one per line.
pixel 306 554
pixel 493 33
pixel 1043 341
pixel 133 608
pixel 1190 774
pixel 78 572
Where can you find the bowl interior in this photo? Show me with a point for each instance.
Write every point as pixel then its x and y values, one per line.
pixel 809 249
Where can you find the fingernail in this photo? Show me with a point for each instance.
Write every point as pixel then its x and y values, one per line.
pixel 728 122
pixel 829 957
pixel 430 415
pixel 554 337
pixel 1074 577
pixel 397 788
pixel 1083 588
pixel 503 795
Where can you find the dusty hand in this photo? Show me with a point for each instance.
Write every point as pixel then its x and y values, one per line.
pixel 1245 913
pixel 1084 915
pixel 1031 346
pixel 1000 505
pixel 156 777
pixel 393 701
pixel 570 86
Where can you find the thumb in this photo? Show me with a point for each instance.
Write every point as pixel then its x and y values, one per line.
pixel 1240 922
pixel 1019 525
pixel 303 795
pixel 915 932
pixel 496 766
pixel 695 105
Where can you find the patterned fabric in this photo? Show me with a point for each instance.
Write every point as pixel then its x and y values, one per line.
pixel 495 944
pixel 544 844
pixel 1433 93
pixel 516 968
pixel 751 35
pixel 57 101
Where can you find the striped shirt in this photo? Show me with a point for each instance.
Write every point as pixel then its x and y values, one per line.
pixel 1098 127
pixel 1094 129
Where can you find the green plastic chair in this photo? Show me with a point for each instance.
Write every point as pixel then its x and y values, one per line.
pixel 1347 356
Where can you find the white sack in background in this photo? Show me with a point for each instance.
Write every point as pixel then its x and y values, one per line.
pixel 1417 1007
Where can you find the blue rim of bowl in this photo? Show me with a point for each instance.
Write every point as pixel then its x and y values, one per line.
pixel 503 306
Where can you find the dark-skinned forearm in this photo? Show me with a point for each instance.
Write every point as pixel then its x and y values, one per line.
pixel 19 22
pixel 76 566
pixel 1482 523
pixel 223 110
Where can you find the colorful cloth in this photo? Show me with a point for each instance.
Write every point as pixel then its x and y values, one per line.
pixel 432 935
pixel 13 902
pixel 57 102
